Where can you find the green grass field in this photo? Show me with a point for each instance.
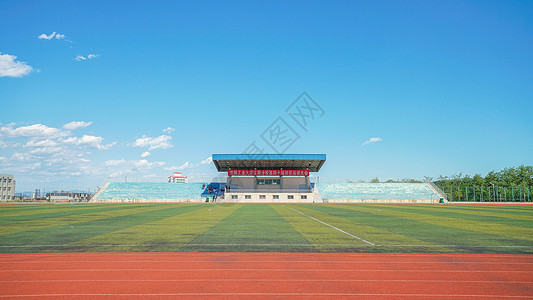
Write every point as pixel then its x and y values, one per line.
pixel 266 228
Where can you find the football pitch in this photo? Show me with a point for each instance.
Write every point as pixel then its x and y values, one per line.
pixel 266 228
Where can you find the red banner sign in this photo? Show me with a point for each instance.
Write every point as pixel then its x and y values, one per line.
pixel 268 172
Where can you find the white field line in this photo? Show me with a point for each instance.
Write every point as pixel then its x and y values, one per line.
pixel 268 269
pixel 272 294
pixel 267 261
pixel 370 243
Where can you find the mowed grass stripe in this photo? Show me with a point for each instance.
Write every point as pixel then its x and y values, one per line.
pixel 514 232
pixel 441 239
pixel 104 213
pixel 251 228
pixel 372 234
pixel 475 215
pixel 513 209
pixel 390 233
pixel 23 210
pixel 163 235
pixel 54 213
pixel 53 239
pixel 323 238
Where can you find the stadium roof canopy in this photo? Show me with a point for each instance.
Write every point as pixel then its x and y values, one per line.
pixel 311 162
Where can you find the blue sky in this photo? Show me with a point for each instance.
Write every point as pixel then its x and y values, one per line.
pixel 438 87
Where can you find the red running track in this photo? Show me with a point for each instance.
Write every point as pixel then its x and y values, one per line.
pixel 265 275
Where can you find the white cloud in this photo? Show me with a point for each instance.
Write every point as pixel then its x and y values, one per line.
pixel 81 57
pixel 145 154
pixel 160 142
pixel 46 150
pixel 372 140
pixel 186 165
pixel 35 130
pixel 207 161
pixel 11 68
pixel 57 36
pixel 76 125
pixel 122 167
pixel 169 130
pixel 47 37
pixel 41 143
pixel 90 141
pixel 21 156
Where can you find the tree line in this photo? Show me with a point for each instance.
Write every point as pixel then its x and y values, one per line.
pixel 509 184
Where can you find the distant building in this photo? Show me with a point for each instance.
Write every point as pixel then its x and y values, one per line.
pixel 177 177
pixel 66 196
pixel 7 188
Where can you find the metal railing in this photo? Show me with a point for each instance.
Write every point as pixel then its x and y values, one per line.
pixel 437 190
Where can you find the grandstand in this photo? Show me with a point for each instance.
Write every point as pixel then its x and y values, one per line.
pixel 329 192
pixel 149 192
pixel 268 178
pixel 372 192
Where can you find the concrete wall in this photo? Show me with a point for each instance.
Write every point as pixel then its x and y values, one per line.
pixel 269 198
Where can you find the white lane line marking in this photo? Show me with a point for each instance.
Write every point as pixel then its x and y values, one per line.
pixel 268 261
pixel 370 243
pixel 266 269
pixel 275 294
pixel 273 280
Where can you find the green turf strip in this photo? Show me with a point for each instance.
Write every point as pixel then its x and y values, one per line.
pixel 58 211
pixel 55 239
pixel 477 215
pixel 383 239
pixel 167 234
pixel 38 209
pixel 69 218
pixel 514 209
pixel 443 239
pixel 489 234
pixel 35 209
pixel 518 229
pixel 323 238
pixel 251 228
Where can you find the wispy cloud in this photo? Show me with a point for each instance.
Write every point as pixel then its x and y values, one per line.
pixel 53 35
pixel 145 154
pixel 88 57
pixel 372 140
pixel 9 67
pixel 76 125
pixel 207 161
pixel 169 130
pixel 88 140
pixel 160 142
pixel 35 130
pixel 186 165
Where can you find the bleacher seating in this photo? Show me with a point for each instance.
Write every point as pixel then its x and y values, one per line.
pixel 375 191
pixel 151 190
